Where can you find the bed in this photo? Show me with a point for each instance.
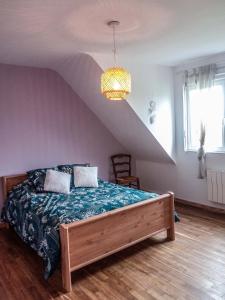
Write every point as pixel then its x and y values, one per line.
pixel 100 229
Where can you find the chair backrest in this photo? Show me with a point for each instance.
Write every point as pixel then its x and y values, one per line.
pixel 121 165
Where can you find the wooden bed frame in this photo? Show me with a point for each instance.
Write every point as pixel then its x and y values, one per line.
pixel 86 241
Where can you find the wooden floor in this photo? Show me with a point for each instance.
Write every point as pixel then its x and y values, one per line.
pixel 191 267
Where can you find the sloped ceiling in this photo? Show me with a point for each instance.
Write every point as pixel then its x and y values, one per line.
pixel 83 74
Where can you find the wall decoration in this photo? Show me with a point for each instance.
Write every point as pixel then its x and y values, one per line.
pixel 152 111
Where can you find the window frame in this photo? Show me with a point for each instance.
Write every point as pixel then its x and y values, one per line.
pixel 219 80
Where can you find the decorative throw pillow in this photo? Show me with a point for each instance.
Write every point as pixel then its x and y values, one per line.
pixel 37 178
pixel 86 176
pixel 58 182
pixel 69 169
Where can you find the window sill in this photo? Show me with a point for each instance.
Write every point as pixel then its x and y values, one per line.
pixel 216 151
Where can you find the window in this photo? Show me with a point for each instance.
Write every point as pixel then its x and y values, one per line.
pixel 205 106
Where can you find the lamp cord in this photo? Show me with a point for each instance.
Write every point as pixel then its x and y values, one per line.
pixel 114 46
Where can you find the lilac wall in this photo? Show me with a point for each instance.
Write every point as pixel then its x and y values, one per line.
pixel 44 123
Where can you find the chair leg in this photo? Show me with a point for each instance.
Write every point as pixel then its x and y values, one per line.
pixel 138 184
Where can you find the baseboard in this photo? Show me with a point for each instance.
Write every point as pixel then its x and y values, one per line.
pixel 202 206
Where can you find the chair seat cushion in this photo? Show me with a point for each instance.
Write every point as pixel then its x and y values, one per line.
pixel 127 179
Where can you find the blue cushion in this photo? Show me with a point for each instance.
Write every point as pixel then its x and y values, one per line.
pixel 37 178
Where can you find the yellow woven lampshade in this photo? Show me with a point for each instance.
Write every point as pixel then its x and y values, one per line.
pixel 116 83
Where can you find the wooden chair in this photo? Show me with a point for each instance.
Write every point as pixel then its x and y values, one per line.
pixel 122 170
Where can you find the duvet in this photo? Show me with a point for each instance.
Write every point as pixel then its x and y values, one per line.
pixel 36 216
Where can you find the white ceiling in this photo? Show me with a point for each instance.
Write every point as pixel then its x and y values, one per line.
pixel 40 32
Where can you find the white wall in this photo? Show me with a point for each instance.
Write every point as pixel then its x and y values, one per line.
pixel 154 83
pixel 149 82
pixel 182 178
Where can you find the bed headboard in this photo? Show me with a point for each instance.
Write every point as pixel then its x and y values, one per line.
pixel 8 182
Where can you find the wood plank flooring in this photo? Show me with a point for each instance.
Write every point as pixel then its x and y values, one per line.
pixel 192 267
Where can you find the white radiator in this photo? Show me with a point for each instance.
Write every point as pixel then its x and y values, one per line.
pixel 216 186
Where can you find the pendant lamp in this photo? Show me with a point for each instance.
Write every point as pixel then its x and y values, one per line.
pixel 115 81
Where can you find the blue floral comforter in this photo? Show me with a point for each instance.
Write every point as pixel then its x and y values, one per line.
pixel 36 216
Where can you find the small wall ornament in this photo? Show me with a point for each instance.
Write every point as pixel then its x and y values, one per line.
pixel 152 111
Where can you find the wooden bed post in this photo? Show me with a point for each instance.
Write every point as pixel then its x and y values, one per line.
pixel 8 182
pixel 65 259
pixel 4 190
pixel 171 230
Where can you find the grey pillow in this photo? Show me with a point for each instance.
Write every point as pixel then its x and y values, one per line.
pixel 86 176
pixel 58 182
pixel 69 169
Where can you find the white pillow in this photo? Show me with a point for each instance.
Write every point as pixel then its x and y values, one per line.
pixel 58 182
pixel 85 176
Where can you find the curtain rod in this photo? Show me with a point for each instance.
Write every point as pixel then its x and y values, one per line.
pixel 220 67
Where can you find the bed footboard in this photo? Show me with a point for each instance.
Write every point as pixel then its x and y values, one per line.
pixel 87 241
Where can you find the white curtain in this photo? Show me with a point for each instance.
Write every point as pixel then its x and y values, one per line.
pixel 201 78
pixel 201 154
